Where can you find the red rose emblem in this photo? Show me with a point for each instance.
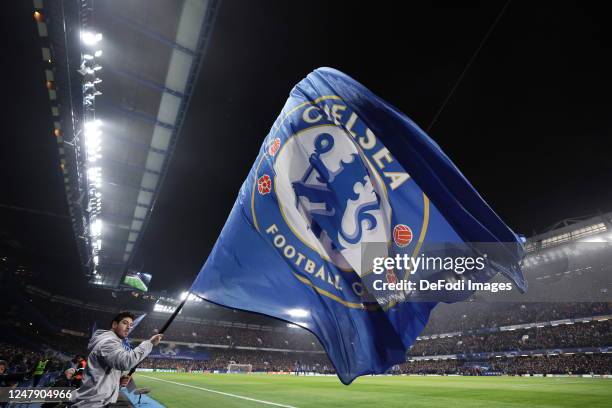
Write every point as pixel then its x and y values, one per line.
pixel 264 184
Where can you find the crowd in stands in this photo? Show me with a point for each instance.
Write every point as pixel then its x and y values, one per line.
pixel 82 320
pixel 260 361
pixel 590 334
pixel 553 364
pixel 23 367
pixel 459 317
pixel 456 317
pixel 288 339
pixel 440 367
pixel 472 319
pixel 560 364
pixel 16 361
pixel 465 316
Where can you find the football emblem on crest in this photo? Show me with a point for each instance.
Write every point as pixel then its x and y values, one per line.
pixel 402 235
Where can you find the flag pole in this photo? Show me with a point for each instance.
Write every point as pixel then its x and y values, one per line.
pixel 174 314
pixel 166 325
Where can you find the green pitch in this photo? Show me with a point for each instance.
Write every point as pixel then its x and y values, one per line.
pixel 223 390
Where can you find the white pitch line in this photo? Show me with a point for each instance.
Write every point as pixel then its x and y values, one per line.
pixel 220 392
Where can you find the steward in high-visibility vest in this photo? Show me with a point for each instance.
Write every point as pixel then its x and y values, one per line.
pixel 39 370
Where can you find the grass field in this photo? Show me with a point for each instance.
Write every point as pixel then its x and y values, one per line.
pixel 215 390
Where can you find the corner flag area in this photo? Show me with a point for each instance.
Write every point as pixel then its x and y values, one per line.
pixel 260 390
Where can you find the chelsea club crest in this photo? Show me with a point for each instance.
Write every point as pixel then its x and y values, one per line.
pixel 324 186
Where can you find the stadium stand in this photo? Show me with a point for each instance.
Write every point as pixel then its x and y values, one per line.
pixel 559 347
pixel 559 336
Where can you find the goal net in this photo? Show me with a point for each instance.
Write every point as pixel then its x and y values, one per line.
pixel 233 368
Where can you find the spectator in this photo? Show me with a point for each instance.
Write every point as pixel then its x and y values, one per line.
pixel 107 360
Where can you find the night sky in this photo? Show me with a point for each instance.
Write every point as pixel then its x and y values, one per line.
pixel 528 125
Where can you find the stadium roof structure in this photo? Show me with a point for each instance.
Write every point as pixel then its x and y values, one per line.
pixel 120 76
pixel 572 229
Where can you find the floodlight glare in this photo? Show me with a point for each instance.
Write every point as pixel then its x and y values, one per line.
pixel 192 298
pixel 94 175
pixel 98 53
pixel 92 134
pixel 90 38
pixel 93 124
pixel 86 71
pixel 298 312
pixel 96 228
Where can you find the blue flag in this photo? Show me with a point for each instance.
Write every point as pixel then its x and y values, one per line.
pixel 339 169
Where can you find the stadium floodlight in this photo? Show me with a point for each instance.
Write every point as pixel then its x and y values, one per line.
pixel 98 53
pixel 92 91
pixel 597 239
pixel 96 228
pixel 163 308
pixel 94 175
pixel 298 312
pixel 86 71
pixel 192 298
pixel 93 144
pixel 93 124
pixel 90 38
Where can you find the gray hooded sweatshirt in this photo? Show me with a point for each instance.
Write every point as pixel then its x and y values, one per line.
pixel 106 361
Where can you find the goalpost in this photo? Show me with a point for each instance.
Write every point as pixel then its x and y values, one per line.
pixel 233 368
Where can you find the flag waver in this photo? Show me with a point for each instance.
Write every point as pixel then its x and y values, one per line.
pixel 341 168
